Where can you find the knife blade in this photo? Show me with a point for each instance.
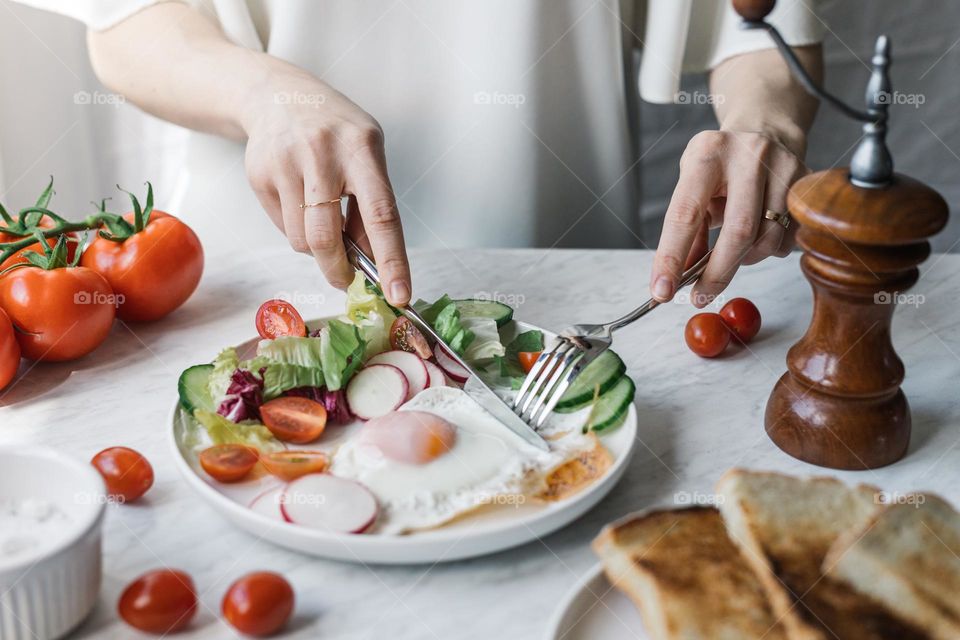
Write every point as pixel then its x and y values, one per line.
pixel 475 387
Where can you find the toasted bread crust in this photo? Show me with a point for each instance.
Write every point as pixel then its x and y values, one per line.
pixel 786 526
pixel 686 576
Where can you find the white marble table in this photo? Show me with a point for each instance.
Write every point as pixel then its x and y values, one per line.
pixel 697 418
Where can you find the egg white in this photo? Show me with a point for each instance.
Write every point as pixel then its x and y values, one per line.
pixel 487 462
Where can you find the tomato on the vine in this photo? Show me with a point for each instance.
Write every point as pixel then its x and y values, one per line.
pixel 127 473
pixel 161 601
pixel 9 350
pixel 60 312
pixel 258 604
pixel 707 335
pixel 742 318
pixel 33 219
pixel 152 260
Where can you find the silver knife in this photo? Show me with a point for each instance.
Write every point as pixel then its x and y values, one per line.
pixel 475 387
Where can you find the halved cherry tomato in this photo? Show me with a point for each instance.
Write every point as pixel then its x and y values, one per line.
pixel 162 601
pixel 289 465
pixel 405 336
pixel 527 359
pixel 707 335
pixel 228 462
pixel 127 473
pixel 742 318
pixel 292 419
pixel 258 604
pixel 9 350
pixel 62 313
pixel 276 318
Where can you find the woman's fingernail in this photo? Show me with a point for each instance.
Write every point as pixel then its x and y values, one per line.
pixel 399 292
pixel 662 288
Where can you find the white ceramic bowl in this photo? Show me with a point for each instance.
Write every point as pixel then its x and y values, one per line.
pixel 51 583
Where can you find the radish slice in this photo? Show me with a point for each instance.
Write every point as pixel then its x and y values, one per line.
pixel 328 503
pixel 377 390
pixel 410 364
pixel 437 379
pixel 450 366
pixel 269 502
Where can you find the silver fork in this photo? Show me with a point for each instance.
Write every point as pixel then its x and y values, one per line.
pixel 575 348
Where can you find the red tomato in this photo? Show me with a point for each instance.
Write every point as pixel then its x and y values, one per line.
pixel 297 420
pixel 276 318
pixel 153 271
pixel 290 465
pixel 742 318
pixel 707 335
pixel 405 336
pixel 127 473
pixel 528 358
pixel 9 350
pixel 162 601
pixel 61 314
pixel 228 462
pixel 258 604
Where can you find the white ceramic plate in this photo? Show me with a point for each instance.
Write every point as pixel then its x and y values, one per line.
pixel 467 537
pixel 593 608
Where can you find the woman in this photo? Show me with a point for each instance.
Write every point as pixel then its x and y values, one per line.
pixel 505 122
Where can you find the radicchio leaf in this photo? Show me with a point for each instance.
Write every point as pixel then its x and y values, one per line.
pixel 244 397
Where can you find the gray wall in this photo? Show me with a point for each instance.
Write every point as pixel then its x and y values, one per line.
pixel 924 139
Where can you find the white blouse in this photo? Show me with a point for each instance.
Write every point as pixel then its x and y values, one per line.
pixel 507 122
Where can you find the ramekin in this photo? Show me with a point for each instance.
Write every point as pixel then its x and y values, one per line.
pixel 44 596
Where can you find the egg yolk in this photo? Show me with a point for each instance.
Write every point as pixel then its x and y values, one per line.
pixel 413 437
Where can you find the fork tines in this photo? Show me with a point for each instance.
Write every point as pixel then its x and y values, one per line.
pixel 547 381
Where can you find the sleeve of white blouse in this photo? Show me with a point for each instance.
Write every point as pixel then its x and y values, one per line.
pixel 96 14
pixel 684 36
pixel 796 21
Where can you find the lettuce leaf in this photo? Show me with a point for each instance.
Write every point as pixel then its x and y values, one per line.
pixel 223 431
pixel 302 352
pixel 224 365
pixel 341 353
pixel 280 377
pixel 371 314
pixel 485 343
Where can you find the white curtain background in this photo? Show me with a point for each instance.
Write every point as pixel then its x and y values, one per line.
pixel 56 119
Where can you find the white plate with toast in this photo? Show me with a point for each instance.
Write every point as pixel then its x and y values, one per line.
pixel 483 532
pixel 594 608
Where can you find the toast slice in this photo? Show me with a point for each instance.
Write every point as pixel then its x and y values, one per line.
pixel 907 557
pixel 686 577
pixel 785 527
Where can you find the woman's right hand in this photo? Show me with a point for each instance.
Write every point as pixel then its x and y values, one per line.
pixel 306 143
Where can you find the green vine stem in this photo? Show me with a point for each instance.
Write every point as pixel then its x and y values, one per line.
pixel 60 227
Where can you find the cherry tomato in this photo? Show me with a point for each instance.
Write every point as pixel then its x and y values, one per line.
pixel 276 318
pixel 742 318
pixel 290 465
pixel 292 419
pixel 405 336
pixel 707 335
pixel 228 462
pixel 161 601
pixel 153 271
pixel 61 314
pixel 127 473
pixel 528 358
pixel 9 350
pixel 258 604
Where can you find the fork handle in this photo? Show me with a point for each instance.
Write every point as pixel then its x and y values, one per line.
pixel 689 276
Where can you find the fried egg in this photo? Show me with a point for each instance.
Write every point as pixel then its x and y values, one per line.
pixel 441 455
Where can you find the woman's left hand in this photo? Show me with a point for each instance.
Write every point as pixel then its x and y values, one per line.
pixel 728 179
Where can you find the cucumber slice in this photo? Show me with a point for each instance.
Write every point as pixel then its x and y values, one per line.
pixel 612 406
pixel 602 373
pixel 193 390
pixel 472 308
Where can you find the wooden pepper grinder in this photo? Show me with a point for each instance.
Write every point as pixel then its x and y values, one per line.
pixel 863 232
